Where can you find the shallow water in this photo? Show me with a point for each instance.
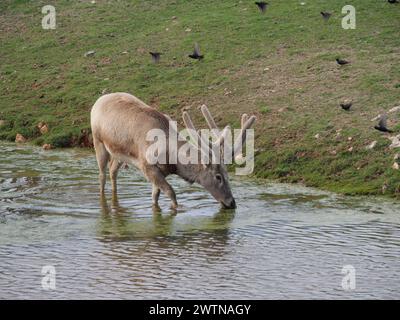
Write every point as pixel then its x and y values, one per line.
pixel 282 241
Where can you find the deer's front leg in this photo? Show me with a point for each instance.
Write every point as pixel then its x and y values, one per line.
pixel 157 178
pixel 155 194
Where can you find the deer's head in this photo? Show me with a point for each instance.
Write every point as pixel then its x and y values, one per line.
pixel 213 176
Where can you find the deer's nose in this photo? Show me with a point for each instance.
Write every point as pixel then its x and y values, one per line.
pixel 230 205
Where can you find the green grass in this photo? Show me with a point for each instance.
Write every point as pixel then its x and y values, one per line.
pixel 279 66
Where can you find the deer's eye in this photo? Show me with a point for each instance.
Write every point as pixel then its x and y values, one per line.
pixel 218 177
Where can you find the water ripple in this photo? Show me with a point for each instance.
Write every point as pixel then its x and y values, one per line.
pixel 283 241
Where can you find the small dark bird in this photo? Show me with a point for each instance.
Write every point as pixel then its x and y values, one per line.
pixel 261 5
pixel 342 62
pixel 393 1
pixel 382 125
pixel 196 53
pixel 346 105
pixel 155 56
pixel 326 15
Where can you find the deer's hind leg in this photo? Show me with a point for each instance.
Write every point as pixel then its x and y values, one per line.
pixel 114 167
pixel 102 157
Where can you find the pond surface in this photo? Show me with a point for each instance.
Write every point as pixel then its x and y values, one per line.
pixel 282 241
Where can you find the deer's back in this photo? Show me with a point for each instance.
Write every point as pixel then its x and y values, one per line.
pixel 122 121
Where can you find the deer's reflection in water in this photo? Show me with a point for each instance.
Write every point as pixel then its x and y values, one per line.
pixel 163 238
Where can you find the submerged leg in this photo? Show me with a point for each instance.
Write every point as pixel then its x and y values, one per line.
pixel 102 157
pixel 114 167
pixel 157 178
pixel 155 194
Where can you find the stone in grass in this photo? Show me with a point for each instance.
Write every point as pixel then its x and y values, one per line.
pixel 90 53
pixel 2 123
pixel 19 138
pixel 372 145
pixel 43 127
pixel 394 109
pixel 47 146
pixel 395 141
pixel 395 166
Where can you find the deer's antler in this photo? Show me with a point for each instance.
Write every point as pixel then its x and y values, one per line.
pixel 218 136
pixel 246 123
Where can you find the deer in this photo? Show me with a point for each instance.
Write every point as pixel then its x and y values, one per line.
pixel 120 122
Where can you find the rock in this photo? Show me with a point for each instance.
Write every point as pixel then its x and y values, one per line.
pixel 378 117
pixel 350 139
pixel 47 146
pixel 2 123
pixel 396 157
pixel 174 18
pixel 43 128
pixel 19 138
pixel 395 141
pixel 350 149
pixel 372 145
pixel 395 109
pixel 188 30
pixel 333 152
pixel 317 136
pixel 90 53
pixel 104 91
pixel 395 166
pixel 124 52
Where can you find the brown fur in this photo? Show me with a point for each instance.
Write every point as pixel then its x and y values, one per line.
pixel 120 123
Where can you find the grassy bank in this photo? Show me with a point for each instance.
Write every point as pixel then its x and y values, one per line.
pixel 280 66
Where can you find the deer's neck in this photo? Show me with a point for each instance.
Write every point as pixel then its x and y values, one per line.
pixel 189 172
